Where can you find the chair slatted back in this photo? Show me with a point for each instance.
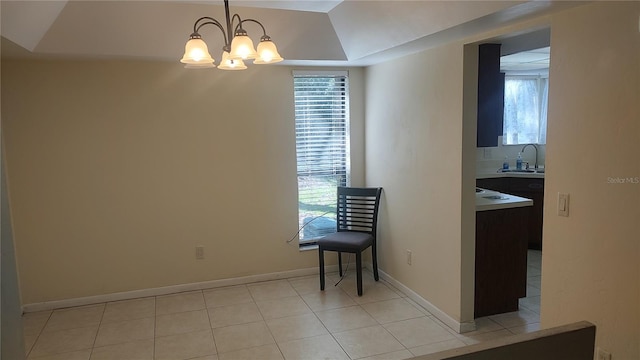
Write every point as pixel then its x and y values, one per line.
pixel 357 209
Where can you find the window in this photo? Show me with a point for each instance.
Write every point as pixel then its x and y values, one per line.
pixel 525 110
pixel 322 148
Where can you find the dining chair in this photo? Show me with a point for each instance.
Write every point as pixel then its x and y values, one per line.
pixel 357 219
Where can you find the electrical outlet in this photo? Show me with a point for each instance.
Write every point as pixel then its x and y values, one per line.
pixel 199 252
pixel 602 355
pixel 409 257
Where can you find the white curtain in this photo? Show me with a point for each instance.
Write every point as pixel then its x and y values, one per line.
pixel 543 111
pixel 525 110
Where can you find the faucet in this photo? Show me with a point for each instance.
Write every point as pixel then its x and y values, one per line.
pixel 535 166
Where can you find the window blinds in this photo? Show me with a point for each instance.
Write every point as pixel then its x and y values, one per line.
pixel 322 147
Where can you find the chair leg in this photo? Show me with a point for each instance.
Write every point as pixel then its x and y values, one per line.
pixel 374 260
pixel 340 263
pixel 359 272
pixel 321 263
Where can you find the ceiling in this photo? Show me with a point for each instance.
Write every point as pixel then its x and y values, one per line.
pixel 531 60
pixel 307 32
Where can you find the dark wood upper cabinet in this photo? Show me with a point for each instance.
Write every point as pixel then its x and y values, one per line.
pixel 490 95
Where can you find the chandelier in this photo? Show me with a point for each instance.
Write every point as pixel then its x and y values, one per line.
pixel 237 45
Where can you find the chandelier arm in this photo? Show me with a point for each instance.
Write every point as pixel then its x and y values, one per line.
pixel 239 25
pixel 197 25
pixel 264 32
pixel 211 21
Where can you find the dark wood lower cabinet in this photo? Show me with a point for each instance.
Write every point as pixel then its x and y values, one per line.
pixel 530 188
pixel 501 260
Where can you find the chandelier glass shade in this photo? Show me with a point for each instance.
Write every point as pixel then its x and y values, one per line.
pixel 268 53
pixel 196 52
pixel 229 64
pixel 238 46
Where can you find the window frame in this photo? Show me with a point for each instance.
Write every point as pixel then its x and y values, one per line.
pixel 542 82
pixel 345 150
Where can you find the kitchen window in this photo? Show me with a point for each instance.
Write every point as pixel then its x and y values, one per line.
pixel 525 109
pixel 322 148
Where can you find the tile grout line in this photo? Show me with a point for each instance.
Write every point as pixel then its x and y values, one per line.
pixel 104 309
pixel 324 326
pixel 401 295
pixel 369 314
pixel 267 325
pixel 155 326
pixel 253 300
pixel 39 334
pixel 396 338
pixel 213 339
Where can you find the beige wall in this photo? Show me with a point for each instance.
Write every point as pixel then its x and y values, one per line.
pixel 414 151
pixel 11 332
pixel 112 186
pixel 117 170
pixel 415 132
pixel 590 263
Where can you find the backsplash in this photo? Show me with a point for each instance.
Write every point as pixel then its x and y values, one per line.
pixel 493 157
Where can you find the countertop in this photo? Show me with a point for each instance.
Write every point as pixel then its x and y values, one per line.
pixel 493 200
pixel 497 173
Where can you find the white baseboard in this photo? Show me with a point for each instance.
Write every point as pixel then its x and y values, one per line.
pixel 172 289
pixel 441 315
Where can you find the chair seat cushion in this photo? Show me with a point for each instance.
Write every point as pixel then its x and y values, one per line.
pixel 346 240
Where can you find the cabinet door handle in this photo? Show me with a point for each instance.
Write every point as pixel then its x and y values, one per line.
pixel 535 186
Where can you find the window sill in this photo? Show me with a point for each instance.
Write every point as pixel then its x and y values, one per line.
pixel 308 247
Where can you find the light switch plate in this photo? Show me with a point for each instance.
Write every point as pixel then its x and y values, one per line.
pixel 563 204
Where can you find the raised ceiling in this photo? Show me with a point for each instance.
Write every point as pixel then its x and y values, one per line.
pixel 531 60
pixel 307 32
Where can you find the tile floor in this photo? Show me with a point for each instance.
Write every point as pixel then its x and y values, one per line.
pixel 283 319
